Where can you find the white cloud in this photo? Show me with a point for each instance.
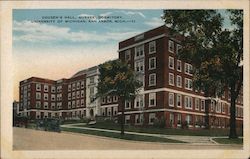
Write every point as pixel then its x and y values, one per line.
pixel 36 32
pixel 154 22
pixel 134 13
pixel 106 14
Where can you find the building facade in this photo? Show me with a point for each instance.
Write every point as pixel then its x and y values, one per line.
pixel 167 92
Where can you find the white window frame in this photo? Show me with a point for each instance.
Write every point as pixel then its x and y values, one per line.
pixel 171 42
pixel 127 118
pixel 38 87
pixel 178 63
pixel 53 89
pixel 45 105
pixel 188 102
pixel 171 98
pixel 197 104
pixel 140 48
pixel 178 98
pixel 171 60
pixel 139 99
pixel 203 105
pixel 153 45
pixel 149 79
pixel 151 116
pixel 129 105
pixel 188 84
pixel 179 84
pixel 46 96
pixel 188 69
pixel 38 95
pixel 150 62
pixel 171 76
pixel 178 47
pixel 45 88
pixel 127 54
pixel 69 105
pixel 152 96
pixel 139 64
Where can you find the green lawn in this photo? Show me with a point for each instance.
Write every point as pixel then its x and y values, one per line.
pixel 125 137
pixel 229 141
pixel 189 132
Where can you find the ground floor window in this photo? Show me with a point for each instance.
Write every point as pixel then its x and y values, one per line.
pixel 189 119
pixel 127 119
pixel 151 118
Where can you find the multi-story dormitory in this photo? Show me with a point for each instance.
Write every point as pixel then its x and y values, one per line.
pixel 167 92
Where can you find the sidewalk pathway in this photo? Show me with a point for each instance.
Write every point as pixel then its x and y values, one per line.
pixel 190 139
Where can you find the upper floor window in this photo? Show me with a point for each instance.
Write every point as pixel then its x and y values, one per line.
pixel 171 79
pixel 178 65
pixel 188 84
pixel 178 100
pixel 188 69
pixel 170 46
pixel 73 86
pixel 171 62
pixel 53 89
pixel 197 104
pixel 139 51
pixel 152 63
pixel 69 87
pixel 38 87
pixel 92 80
pixel 139 66
pixel 127 55
pixel 139 101
pixel 127 105
pixel 152 79
pixel 38 95
pixel 171 99
pixel 78 85
pixel 46 88
pixel 202 105
pixel 92 91
pixel 179 81
pixel 188 102
pixel 82 84
pixel 152 99
pixel 178 48
pixel 152 47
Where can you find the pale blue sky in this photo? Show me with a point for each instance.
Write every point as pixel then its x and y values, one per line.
pixel 58 50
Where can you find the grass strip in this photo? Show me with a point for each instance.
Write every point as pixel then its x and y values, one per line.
pixel 228 141
pixel 125 137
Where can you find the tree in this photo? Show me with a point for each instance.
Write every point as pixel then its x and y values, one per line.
pixel 117 79
pixel 214 51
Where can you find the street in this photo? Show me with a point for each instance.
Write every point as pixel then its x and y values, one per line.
pixel 28 139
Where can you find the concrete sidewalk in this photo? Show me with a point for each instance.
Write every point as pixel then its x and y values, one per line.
pixel 207 140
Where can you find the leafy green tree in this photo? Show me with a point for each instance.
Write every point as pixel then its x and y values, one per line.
pixel 117 79
pixel 214 51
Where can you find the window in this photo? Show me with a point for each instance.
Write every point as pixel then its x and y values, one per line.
pixel 115 111
pixel 59 88
pixel 171 79
pixel 53 105
pixel 139 101
pixel 171 119
pixel 188 84
pixel 179 81
pixel 127 105
pixel 212 105
pixel 78 94
pixel 189 119
pixel 45 96
pixel 78 85
pixel 151 118
pixel 38 87
pixel 127 55
pixel 152 99
pixel 46 88
pixel 197 104
pixel 91 91
pixel 139 51
pixel 78 103
pixel 223 108
pixel 188 102
pixel 73 104
pixel 82 93
pixel 139 66
pixel 103 100
pixel 141 79
pixel 38 104
pixel 69 96
pixel 59 97
pixel 109 99
pixel 69 105
pixel 92 80
pixel 53 89
pixel 152 79
pixel 202 105
pixel 178 66
pixel 82 84
pixel 82 102
pixel 138 119
pixel 171 99
pixel 218 107
pixel 170 46
pixel 69 87
pixel 152 48
pixel 179 47
pixel 178 100
pixel 115 98
pixel 73 86
pixel 38 95
pixel 152 63
pixel 127 119
pixel 171 62
pixel 188 69
pixel 45 105
pixel 179 118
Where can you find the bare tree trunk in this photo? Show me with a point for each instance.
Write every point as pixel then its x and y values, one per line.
pixel 122 116
pixel 232 134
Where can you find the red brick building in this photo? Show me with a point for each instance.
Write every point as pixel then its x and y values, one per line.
pixel 167 92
